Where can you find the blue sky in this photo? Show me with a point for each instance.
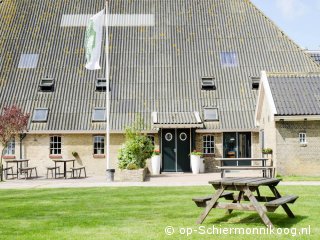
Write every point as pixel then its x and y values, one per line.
pixel 299 19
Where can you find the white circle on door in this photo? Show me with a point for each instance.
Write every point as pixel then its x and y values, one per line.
pixel 183 136
pixel 168 137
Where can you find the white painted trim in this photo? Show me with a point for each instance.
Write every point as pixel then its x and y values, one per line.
pixel 264 85
pixel 197 115
pixel 154 116
pixel 297 118
pixel 196 125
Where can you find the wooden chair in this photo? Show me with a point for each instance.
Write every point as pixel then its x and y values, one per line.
pixel 6 172
pixel 76 170
pixel 53 169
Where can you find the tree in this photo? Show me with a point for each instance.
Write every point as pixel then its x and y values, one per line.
pixel 12 122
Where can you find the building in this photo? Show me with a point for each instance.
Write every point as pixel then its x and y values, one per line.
pixel 193 77
pixel 288 114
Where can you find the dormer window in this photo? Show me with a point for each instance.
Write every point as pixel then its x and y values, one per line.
pixel 46 85
pixel 207 83
pixel 211 114
pixel 101 85
pixel 255 83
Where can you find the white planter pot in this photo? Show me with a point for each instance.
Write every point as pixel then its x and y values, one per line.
pixel 155 164
pixel 202 166
pixel 195 164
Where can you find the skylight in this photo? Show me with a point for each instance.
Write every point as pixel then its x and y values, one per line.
pixel 28 61
pixel 255 83
pixel 211 114
pixel 101 85
pixel 46 85
pixel 40 115
pixel 229 59
pixel 207 83
pixel 99 115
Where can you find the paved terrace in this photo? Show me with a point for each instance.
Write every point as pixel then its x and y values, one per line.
pixel 163 180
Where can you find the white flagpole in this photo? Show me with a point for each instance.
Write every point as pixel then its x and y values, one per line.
pixel 107 89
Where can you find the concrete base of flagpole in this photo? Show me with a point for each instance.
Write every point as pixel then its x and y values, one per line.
pixel 110 175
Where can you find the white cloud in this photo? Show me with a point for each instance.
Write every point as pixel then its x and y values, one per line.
pixel 292 8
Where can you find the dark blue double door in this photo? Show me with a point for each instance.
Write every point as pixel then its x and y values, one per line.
pixel 176 150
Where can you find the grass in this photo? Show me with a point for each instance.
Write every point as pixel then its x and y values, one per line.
pixel 299 178
pixel 137 213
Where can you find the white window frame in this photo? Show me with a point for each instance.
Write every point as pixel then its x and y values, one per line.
pixel 98 144
pixel 303 138
pixel 28 60
pixel 11 148
pixel 55 146
pixel 208 144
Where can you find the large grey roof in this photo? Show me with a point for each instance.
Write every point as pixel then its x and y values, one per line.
pixel 153 69
pixel 296 94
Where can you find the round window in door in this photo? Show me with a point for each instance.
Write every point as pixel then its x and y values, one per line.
pixel 183 136
pixel 168 137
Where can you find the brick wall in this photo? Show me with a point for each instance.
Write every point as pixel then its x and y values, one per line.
pixel 293 158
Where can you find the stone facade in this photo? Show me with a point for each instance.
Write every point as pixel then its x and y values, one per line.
pixel 294 158
pixel 138 175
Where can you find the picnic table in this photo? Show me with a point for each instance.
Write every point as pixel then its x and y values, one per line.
pixel 245 187
pixel 242 164
pixel 16 162
pixel 64 161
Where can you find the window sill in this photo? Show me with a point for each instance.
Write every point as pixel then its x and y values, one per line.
pixel 303 144
pixel 99 155
pixel 56 156
pixel 9 157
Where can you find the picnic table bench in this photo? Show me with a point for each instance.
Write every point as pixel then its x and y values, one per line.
pixel 245 164
pixel 246 187
pixel 269 170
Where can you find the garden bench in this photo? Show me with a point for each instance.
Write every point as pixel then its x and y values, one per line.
pixel 274 204
pixel 202 201
pixel 27 171
pixel 53 169
pixel 75 170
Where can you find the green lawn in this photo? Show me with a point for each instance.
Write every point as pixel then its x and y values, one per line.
pixel 136 213
pixel 299 178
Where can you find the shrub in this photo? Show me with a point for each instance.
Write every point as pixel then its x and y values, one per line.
pixel 135 151
pixel 195 152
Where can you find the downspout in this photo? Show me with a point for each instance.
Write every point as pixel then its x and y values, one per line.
pixel 22 136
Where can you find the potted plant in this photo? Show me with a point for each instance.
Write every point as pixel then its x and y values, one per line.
pixel 132 156
pixel 195 159
pixel 155 162
pixel 267 151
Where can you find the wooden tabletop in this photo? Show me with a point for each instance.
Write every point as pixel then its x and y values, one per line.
pixel 256 182
pixel 63 160
pixel 16 160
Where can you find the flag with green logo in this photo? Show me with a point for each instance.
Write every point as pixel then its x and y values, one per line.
pixel 93 41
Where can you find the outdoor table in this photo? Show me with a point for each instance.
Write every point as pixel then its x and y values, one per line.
pixel 245 188
pixel 17 162
pixel 64 161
